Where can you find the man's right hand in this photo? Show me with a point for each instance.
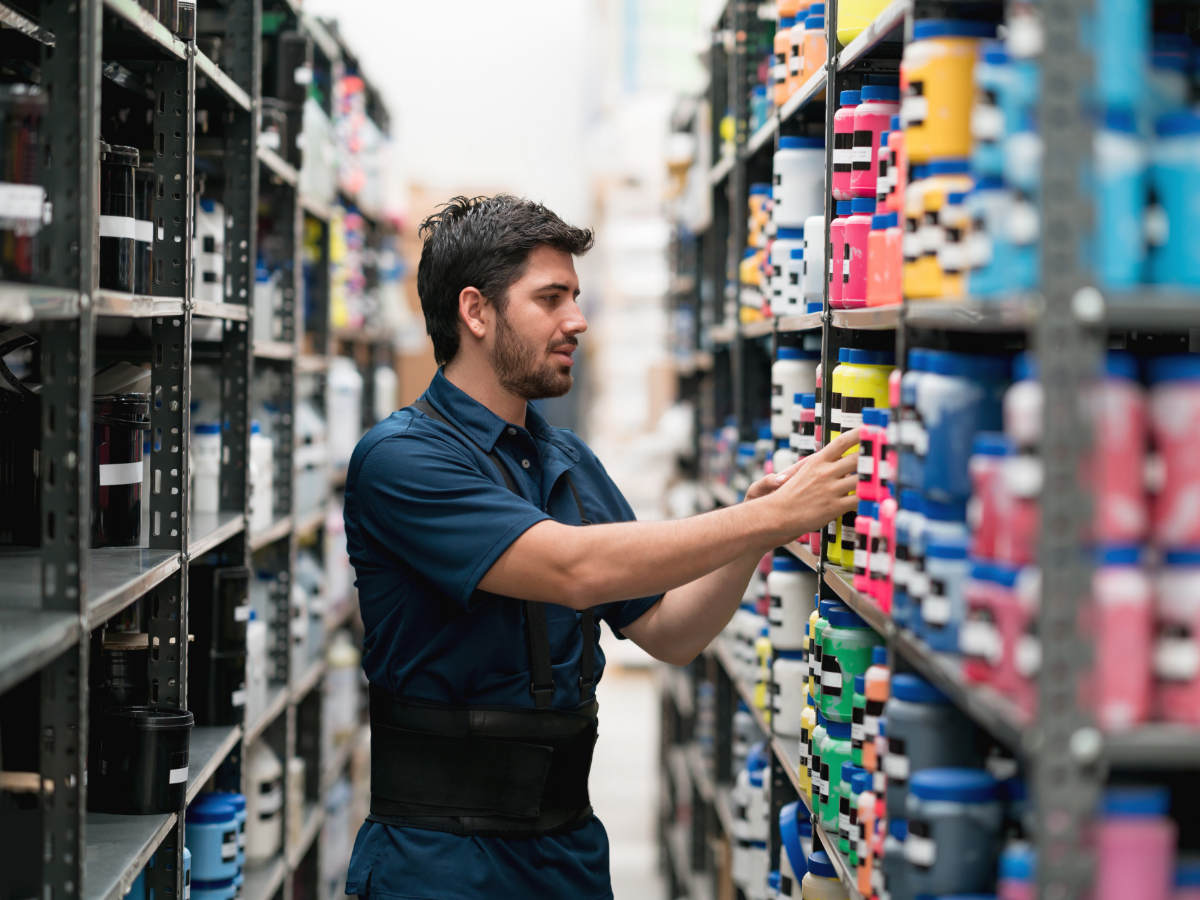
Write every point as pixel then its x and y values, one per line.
pixel 813 492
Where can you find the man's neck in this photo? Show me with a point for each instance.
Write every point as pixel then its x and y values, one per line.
pixel 477 380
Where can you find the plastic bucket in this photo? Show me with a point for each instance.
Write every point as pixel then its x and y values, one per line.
pixel 143 760
pixel 118 421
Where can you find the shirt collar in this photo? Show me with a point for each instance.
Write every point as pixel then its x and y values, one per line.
pixel 482 425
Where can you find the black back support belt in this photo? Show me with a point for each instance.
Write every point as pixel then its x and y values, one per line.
pixel 498 771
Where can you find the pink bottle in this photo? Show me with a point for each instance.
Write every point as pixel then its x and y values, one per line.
pixel 837 253
pixel 1176 648
pixel 871 439
pixel 854 264
pixel 988 508
pixel 893 242
pixel 1135 845
pixel 884 555
pixel 991 612
pixel 1122 513
pixel 864 523
pixel 1175 422
pixel 843 145
pixel 1123 610
pixel 872 117
pixel 882 478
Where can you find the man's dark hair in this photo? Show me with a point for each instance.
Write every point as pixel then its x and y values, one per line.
pixel 484 243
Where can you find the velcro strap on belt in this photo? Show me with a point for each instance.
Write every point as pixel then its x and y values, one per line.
pixel 429 774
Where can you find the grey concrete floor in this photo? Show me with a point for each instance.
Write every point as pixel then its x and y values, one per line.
pixel 624 783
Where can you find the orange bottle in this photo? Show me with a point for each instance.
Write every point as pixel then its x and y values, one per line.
pixel 814 41
pixel 894 254
pixel 783 50
pixel 897 168
pixel 796 56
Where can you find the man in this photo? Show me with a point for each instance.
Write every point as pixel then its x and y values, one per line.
pixel 482 596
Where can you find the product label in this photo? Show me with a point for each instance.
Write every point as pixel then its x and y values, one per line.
pixel 795 60
pixel 919 848
pixel 775 612
pixel 980 638
pixel 143 232
pixel 1176 657
pixel 22 204
pixel 879 565
pixel 117 227
pixel 843 151
pixel 844 823
pixel 870 726
pixel 241 613
pixel 863 146
pixel 238 697
pixel 270 799
pixel 178 776
pixel 860 560
pixel 229 845
pixel 914 107
pixel 825 787
pixel 816 773
pixel 1028 655
pixel 831 677
pixel 936 609
pixel 803 748
pixel 879 781
pixel 866 463
pixel 895 764
pixel 120 473
pixel 858 730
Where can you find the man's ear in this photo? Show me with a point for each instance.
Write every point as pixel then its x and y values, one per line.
pixel 471 304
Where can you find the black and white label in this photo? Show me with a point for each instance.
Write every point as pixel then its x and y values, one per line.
pixel 920 849
pixel 120 473
pixel 895 764
pixel 229 845
pixel 178 776
pixel 862 152
pixel 118 227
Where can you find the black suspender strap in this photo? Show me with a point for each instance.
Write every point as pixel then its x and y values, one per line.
pixel 536 631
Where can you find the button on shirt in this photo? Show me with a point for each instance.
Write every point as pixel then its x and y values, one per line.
pixel 427 514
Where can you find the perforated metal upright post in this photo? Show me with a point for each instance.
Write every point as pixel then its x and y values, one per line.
pixel 69 168
pixel 1066 748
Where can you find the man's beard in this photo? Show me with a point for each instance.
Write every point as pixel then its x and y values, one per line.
pixel 521 370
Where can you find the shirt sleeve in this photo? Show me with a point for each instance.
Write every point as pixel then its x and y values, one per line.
pixel 425 500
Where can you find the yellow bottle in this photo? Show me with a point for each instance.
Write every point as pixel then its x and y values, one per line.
pixel 853 16
pixel 762 647
pixel 864 383
pixel 834 415
pixel 810 645
pixel 808 721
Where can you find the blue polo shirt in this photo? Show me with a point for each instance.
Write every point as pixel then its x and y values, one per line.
pixel 427 515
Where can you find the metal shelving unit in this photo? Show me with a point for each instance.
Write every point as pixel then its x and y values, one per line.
pixel 54 598
pixel 1067 760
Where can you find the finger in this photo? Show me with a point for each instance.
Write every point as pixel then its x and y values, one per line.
pixel 848 504
pixel 844 464
pixel 791 470
pixel 841 443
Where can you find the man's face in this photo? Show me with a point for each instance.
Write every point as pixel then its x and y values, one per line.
pixel 535 335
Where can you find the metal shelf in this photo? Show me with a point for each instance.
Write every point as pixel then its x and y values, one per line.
pixel 308 362
pixel 18 21
pixel 211 529
pixel 25 302
pixel 264 879
pixel 811 90
pixel 237 311
pixel 314 818
pixel 760 328
pixel 274 350
pixel 308 680
pixel 723 334
pixel 209 746
pixel 136 306
pixel 316 208
pixel 1012 314
pixel 224 83
pixel 871 318
pixel 278 530
pixel 362 335
pixel 788 755
pixel 279 695
pixel 278 165
pixel 765 134
pixel 803 322
pixel 29 639
pixel 844 870
pixel 142 22
pixel 118 848
pixel 802 553
pixel 721 170
pixel 1158 745
pixel 306 525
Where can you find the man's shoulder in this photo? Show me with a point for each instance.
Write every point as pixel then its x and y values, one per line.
pixel 405 433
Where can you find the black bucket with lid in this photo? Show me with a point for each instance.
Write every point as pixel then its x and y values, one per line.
pixel 118 421
pixel 117 228
pixel 142 767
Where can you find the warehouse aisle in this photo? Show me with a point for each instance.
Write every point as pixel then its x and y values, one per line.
pixel 624 779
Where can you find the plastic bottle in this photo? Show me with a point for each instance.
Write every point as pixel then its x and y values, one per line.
pixel 846 643
pixel 854 16
pixel 952 260
pixel 262 478
pixel 893 874
pixel 942 179
pixel 206 467
pixel 848 810
pixel 835 750
pixel 789 671
pixel 785 242
pixel 944 607
pixel 1187 878
pixel 1124 610
pixel 865 802
pixel 1122 48
pixel 1176 648
pixel 909 518
pixel 1119 253
pixel 858 727
pixel 1117 464
pixel 796 50
pixel 783 48
pixel 837 258
pixel 264 804
pixel 876 690
pixel 212 837
pixel 854 258
pixel 954 820
pixel 793 862
pixel 877 282
pixel 1017 881
pixel 814 651
pixel 814 259
pixel 925 731
pixel 1174 419
pixel 808 723
pixel 815 49
pixel 897 167
pixel 1135 845
pixel 878 103
pixel 834 529
pixel 790 586
pixel 870 443
pixel 936 83
pixel 866 530
pixel 816 743
pixel 992 627
pixel 988 511
pixel 799 171
pixel 893 269
pixel 805 438
pixel 1175 178
pixel 793 372
pixel 821 882
pixel 843 145
pixel 793 286
pixel 883 558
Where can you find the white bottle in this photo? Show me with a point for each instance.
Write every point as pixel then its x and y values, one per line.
pixel 786 240
pixel 386 385
pixel 206 467
pixel 210 251
pixel 262 478
pixel 793 288
pixel 814 259
pixel 256 667
pixel 799 167
pixel 343 407
pixel 264 803
pixel 296 770
pixel 791 374
pixel 791 585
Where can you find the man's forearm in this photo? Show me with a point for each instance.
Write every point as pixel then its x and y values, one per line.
pixel 584 567
pixel 687 618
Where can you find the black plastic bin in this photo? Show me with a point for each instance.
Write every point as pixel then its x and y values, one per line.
pixel 142 768
pixel 118 423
